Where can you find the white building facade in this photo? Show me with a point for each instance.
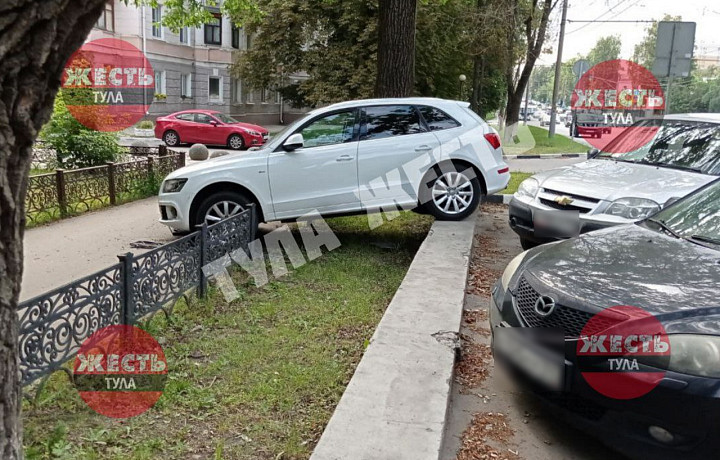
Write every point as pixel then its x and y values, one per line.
pixel 192 66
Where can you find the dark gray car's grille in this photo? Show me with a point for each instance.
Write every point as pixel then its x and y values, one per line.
pixel 571 321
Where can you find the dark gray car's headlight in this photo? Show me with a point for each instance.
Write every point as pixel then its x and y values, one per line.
pixel 690 354
pixel 632 208
pixel 173 185
pixel 510 270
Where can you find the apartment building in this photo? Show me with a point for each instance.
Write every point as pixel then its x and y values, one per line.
pixel 192 66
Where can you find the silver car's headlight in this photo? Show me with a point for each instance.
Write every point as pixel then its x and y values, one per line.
pixel 511 269
pixel 632 208
pixel 529 188
pixel 690 354
pixel 173 185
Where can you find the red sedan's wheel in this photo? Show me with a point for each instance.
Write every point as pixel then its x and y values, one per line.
pixel 171 138
pixel 236 142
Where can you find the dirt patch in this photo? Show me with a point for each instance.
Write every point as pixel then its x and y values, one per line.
pixel 476 320
pixel 472 368
pixel 488 437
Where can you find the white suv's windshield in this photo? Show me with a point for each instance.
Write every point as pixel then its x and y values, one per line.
pixel 689 145
pixel 696 218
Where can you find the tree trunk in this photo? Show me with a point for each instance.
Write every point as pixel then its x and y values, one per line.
pixel 36 39
pixel 516 86
pixel 396 48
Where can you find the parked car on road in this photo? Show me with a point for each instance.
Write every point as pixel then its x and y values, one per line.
pixel 349 157
pixel 613 189
pixel 668 266
pixel 208 127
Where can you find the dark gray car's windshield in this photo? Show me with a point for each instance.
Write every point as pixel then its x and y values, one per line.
pixel 696 218
pixel 685 145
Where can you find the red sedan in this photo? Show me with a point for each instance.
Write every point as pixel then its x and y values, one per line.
pixel 210 128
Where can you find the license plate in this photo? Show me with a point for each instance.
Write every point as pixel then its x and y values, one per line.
pixel 542 365
pixel 563 224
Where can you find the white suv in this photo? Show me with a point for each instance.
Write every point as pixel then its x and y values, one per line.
pixel 356 156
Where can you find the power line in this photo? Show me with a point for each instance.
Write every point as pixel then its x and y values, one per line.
pixel 599 17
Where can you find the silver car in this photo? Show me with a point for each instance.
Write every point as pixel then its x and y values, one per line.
pixel 613 189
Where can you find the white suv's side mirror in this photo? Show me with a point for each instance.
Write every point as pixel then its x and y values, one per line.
pixel 294 142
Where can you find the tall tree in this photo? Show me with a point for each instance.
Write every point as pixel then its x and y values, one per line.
pixel 396 48
pixel 523 49
pixel 36 39
pixel 605 49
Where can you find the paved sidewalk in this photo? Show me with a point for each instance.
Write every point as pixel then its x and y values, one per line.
pixel 396 404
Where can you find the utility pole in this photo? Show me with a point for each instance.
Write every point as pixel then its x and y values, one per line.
pixel 558 68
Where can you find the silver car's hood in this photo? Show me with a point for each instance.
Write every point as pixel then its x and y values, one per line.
pixel 610 180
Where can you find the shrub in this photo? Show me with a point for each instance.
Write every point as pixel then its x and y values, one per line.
pixel 145 124
pixel 75 145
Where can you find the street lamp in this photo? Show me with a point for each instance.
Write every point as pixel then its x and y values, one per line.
pixel 462 79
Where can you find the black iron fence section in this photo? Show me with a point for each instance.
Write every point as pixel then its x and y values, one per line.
pixel 67 192
pixel 54 325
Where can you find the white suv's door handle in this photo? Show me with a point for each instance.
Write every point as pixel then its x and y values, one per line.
pixel 345 158
pixel 423 148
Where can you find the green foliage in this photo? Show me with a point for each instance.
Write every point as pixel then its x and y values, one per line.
pixel 644 53
pixel 605 49
pixel 146 124
pixel 76 145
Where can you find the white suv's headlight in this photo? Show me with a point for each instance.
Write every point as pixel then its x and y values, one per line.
pixel 529 188
pixel 173 185
pixel 632 208
pixel 511 269
pixel 690 354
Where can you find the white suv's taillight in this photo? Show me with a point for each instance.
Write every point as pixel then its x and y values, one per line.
pixel 493 139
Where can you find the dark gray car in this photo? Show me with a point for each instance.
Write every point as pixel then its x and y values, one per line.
pixel 667 266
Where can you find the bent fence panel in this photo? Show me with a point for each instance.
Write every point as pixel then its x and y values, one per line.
pixel 54 325
pixel 163 275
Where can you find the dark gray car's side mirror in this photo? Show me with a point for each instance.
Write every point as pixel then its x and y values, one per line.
pixel 593 153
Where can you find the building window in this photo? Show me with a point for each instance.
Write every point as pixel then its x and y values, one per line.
pixel 215 88
pixel 186 85
pixel 236 37
pixel 264 96
pixel 160 82
pixel 184 35
pixel 237 90
pixel 248 42
pixel 156 19
pixel 106 21
pixel 213 31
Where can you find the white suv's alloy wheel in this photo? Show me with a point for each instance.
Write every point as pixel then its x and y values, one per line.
pixel 452 193
pixel 222 210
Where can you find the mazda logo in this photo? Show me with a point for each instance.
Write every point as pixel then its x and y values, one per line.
pixel 544 306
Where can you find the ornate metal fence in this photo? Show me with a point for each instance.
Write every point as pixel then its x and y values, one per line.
pixel 67 192
pixel 53 325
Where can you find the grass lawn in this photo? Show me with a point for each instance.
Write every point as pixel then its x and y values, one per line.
pixel 257 378
pixel 542 144
pixel 515 179
pixel 558 144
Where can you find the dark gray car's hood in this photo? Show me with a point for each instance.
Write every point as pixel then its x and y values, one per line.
pixel 632 265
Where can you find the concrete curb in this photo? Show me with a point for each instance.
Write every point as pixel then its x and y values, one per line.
pixel 542 157
pixel 396 403
pixel 504 199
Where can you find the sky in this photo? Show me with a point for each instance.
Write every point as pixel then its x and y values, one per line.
pixel 581 37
